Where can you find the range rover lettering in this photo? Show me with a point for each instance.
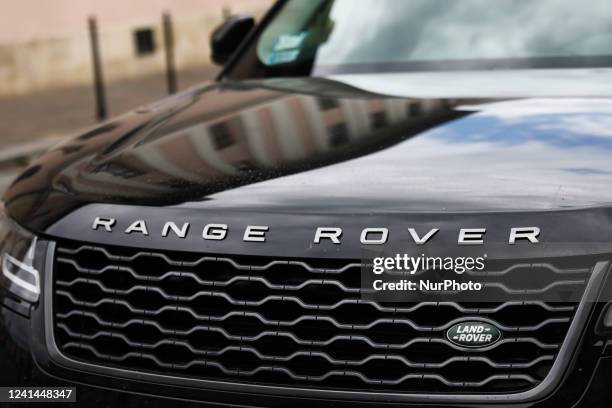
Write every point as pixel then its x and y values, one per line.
pixel 375 203
pixel 219 232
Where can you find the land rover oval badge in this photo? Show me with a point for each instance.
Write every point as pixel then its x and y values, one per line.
pixel 473 334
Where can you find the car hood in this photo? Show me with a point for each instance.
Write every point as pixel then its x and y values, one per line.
pixel 317 147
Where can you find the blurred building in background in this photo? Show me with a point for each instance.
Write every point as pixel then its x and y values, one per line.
pixel 45 44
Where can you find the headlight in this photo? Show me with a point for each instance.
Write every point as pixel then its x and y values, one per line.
pixel 19 276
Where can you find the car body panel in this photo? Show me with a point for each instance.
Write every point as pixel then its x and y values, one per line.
pixel 252 148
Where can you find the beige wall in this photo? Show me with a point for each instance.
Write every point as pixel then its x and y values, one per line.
pixel 45 44
pixel 22 20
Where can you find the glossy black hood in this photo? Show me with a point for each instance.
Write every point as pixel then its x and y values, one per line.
pixel 328 149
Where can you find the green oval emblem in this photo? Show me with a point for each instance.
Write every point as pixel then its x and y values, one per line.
pixel 473 334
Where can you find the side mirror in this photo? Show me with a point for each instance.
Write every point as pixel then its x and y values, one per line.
pixel 226 38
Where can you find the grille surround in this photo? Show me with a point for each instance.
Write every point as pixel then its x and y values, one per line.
pixel 299 389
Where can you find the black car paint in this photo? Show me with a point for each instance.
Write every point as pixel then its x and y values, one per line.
pixel 549 155
pixel 429 165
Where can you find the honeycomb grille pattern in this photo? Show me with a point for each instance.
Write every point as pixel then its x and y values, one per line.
pixel 289 322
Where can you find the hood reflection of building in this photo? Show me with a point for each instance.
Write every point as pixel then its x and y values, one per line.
pixel 273 134
pixel 216 140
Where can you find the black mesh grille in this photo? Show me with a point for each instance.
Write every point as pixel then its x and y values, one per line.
pixel 292 322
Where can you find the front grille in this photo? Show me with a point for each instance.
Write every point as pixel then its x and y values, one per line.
pixel 296 322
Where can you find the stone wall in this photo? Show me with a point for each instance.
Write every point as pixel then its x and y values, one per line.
pixel 46 59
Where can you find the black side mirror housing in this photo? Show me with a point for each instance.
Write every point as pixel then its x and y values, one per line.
pixel 226 38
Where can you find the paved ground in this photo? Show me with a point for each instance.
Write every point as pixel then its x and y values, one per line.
pixel 59 113
pixel 63 111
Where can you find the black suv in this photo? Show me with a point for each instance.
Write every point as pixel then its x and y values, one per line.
pixel 221 245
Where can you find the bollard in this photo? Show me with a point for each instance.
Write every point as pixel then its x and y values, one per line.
pixel 169 49
pixel 100 97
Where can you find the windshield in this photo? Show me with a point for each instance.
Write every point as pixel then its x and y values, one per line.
pixel 319 37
